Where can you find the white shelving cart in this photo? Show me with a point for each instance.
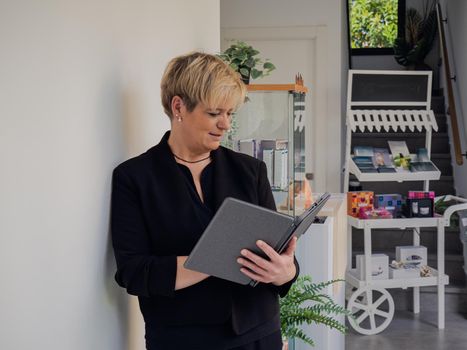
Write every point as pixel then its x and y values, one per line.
pixel 397 101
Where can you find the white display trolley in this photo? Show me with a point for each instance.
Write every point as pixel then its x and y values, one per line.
pixel 397 101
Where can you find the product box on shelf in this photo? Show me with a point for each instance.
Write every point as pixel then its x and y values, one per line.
pixel 421 194
pixel 379 266
pixel 374 213
pixel 405 271
pixel 357 200
pixel 412 255
pixel 418 208
pixel 390 202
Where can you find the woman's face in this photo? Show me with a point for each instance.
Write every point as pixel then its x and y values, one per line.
pixel 204 127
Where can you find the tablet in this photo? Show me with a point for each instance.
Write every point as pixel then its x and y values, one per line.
pixel 238 225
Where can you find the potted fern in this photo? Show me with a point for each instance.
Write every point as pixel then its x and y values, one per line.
pixel 241 57
pixel 306 304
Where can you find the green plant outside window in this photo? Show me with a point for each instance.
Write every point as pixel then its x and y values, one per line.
pixel 373 23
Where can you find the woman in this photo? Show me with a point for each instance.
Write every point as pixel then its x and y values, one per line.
pixel 163 200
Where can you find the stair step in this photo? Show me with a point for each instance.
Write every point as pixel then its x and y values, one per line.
pixel 437 104
pixel 437 92
pixel 443 163
pixel 441 121
pixel 440 117
pixel 441 155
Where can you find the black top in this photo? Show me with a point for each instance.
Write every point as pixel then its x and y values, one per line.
pixel 203 209
pixel 155 218
pixel 219 336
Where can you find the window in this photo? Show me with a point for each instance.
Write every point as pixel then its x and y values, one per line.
pixel 374 25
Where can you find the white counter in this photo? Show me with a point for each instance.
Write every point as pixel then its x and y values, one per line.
pixel 322 254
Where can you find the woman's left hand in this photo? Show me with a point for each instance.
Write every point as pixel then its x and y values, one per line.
pixel 278 270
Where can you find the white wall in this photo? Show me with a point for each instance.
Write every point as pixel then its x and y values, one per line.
pixel 295 13
pixel 455 30
pixel 79 93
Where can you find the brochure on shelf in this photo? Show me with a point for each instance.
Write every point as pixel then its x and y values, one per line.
pixel 364 151
pixel 382 160
pixel 381 157
pixel 399 147
pixel 422 166
pixel 367 159
pixel 422 162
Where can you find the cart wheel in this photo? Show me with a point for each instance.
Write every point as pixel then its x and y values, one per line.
pixel 372 310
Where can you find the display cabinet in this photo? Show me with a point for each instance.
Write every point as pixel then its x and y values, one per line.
pixel 271 126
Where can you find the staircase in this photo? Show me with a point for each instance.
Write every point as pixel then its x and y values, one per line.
pixel 385 240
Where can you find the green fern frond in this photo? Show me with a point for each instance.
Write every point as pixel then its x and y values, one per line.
pixel 307 304
pixel 298 333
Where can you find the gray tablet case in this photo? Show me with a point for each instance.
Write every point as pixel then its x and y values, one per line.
pixel 237 225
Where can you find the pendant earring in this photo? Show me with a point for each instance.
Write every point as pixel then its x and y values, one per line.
pixel 178 117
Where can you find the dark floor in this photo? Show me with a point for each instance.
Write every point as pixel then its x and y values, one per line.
pixel 408 331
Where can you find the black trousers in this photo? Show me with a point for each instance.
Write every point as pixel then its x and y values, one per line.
pixel 271 342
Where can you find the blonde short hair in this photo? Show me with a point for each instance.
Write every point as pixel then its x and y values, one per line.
pixel 201 78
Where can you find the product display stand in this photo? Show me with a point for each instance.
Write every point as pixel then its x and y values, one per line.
pixel 371 305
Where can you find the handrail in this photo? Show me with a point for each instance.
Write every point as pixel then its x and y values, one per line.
pixel 451 102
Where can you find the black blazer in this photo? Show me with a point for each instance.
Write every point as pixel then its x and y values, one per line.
pixel 153 221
